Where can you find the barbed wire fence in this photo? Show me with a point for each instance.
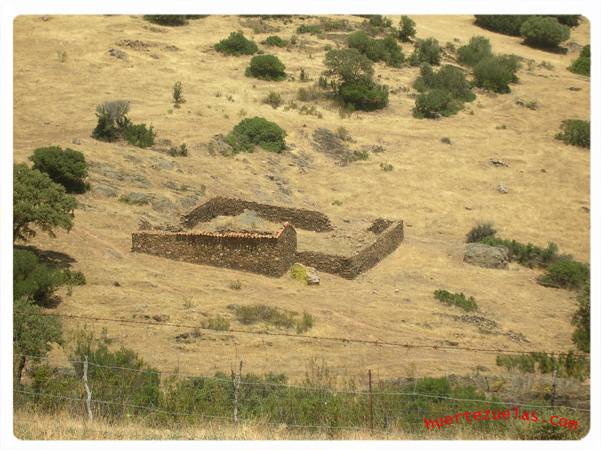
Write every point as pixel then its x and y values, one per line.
pixel 379 405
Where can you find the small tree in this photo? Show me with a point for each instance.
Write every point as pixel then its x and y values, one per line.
pixel 364 95
pixel 575 132
pixel 249 133
pixel 471 54
pixel 266 67
pixel 33 332
pixel 66 167
pixel 435 103
pixel 582 65
pixel 39 202
pixel 544 32
pixel 178 94
pixel 426 51
pixel 496 72
pixel 32 279
pixel 348 65
pixel 406 29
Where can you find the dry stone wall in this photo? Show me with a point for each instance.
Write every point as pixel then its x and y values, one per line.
pixel 222 206
pixel 264 253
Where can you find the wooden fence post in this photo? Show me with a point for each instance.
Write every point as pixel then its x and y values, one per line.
pixel 371 403
pixel 236 379
pixel 87 388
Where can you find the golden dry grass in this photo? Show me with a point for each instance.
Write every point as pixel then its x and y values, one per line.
pixel 440 191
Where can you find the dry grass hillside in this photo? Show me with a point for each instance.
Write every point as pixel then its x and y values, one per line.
pixel 439 190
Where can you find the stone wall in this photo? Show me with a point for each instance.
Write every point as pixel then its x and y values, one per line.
pixel 269 254
pixel 222 206
pixel 365 259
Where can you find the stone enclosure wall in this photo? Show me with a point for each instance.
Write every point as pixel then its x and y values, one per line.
pixel 222 206
pixel 365 259
pixel 264 253
pixel 269 254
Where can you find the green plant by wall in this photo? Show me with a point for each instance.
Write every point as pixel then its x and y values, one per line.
pixel 459 300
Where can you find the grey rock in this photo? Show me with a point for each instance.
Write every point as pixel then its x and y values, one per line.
pixel 76 141
pixel 119 54
pixel 105 190
pixel 486 256
pixel 162 204
pixel 502 188
pixel 498 162
pixel 163 164
pixel 108 171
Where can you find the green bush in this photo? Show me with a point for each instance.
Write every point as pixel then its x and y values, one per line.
pixel 218 323
pixel 32 279
pixel 266 67
pixel 170 20
pixel 178 94
pixel 471 54
pixel 505 24
pixel 435 103
pixel 379 21
pixel 274 99
pixel 112 120
pixel 459 300
pixel 66 167
pixel 38 201
pixel 566 19
pixel 139 135
pixel 426 51
pixel 275 41
pixel 566 273
pixel 494 73
pixel 364 95
pixel 406 29
pixel 236 44
pixel 479 232
pixel 251 132
pixel 529 255
pixel 582 65
pixel 544 32
pixel 575 132
pixel 582 320
pixel 448 78
pixel 568 365
pixel 386 50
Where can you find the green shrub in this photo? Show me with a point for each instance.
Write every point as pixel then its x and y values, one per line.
pixel 494 73
pixel 364 95
pixel 249 315
pixel 112 120
pixel 236 44
pixel 38 201
pixel 274 99
pixel 566 19
pixel 379 21
pixel 575 132
pixel 66 167
pixel 480 231
pixel 139 135
pixel 566 273
pixel 386 49
pixel 305 324
pixel 33 279
pixel 449 78
pixel 328 24
pixel 582 65
pixel 471 54
pixel 251 132
pixel 178 94
pixel 567 365
pixel 170 20
pixel 435 103
pixel 312 29
pixel 218 323
pixel 275 41
pixel 406 29
pixel 544 32
pixel 582 320
pixel 426 51
pixel 266 67
pixel 505 24
pixel 459 300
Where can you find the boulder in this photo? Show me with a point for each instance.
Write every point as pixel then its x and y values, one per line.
pixel 486 256
pixel 305 274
